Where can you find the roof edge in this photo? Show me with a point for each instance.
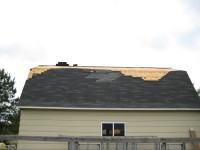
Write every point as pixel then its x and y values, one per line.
pixel 128 109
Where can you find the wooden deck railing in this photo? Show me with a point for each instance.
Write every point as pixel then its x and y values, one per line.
pixel 74 142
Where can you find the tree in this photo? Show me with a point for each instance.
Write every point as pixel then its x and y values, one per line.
pixel 9 113
pixel 198 92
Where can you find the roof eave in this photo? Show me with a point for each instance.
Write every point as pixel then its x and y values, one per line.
pixel 125 109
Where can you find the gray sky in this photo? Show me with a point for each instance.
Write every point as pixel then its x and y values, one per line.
pixel 126 33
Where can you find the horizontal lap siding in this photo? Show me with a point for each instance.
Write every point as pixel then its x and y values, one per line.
pixel 88 123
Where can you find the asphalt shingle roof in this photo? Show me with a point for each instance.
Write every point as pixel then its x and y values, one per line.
pixel 99 88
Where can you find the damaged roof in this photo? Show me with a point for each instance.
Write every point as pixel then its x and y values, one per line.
pixel 108 88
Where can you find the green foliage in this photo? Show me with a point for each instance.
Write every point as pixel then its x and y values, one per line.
pixel 198 92
pixel 9 113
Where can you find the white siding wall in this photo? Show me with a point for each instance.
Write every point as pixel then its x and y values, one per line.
pixel 88 123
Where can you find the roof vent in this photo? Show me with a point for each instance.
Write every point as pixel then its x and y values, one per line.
pixel 62 64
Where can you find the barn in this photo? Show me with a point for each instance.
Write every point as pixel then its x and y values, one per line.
pixel 65 100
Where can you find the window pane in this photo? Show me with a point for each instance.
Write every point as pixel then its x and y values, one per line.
pixel 119 129
pixel 107 129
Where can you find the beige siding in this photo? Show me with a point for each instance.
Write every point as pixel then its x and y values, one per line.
pixel 88 123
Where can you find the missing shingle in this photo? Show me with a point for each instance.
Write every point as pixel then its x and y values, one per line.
pixel 104 76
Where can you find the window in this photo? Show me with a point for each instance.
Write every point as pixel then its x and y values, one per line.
pixel 113 129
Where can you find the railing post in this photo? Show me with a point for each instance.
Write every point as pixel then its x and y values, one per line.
pixel 98 147
pixel 72 145
pixel 69 145
pixel 87 146
pixel 76 146
pixel 134 146
pixel 157 146
pixel 126 146
pixel 102 146
pixel 163 146
pixel 183 146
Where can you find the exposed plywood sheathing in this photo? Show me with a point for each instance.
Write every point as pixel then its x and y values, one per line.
pixel 36 70
pixel 151 74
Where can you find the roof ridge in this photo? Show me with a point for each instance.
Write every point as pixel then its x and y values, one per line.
pixel 149 74
pixel 54 66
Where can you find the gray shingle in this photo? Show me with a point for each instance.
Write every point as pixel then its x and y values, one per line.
pixel 90 88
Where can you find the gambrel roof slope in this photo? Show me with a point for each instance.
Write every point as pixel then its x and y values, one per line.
pixel 108 87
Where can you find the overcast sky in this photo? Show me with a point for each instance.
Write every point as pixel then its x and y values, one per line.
pixel 125 33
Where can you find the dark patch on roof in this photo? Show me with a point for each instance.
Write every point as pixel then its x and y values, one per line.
pixel 90 88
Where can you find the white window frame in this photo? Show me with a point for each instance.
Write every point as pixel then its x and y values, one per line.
pixel 114 127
